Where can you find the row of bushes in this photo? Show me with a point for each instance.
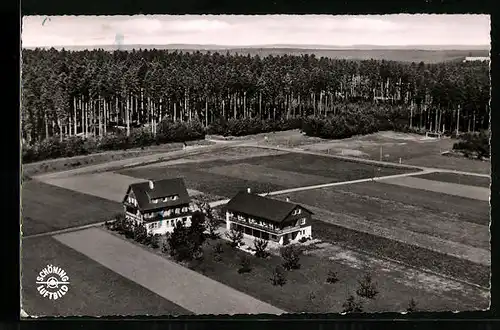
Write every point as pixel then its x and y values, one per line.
pixel 248 126
pixel 474 144
pixel 168 132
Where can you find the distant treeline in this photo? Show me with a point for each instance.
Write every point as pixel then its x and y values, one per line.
pixel 87 93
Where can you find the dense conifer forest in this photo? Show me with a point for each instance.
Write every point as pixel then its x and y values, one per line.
pixel 88 93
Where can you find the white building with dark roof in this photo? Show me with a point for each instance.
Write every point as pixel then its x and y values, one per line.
pixel 159 205
pixel 268 218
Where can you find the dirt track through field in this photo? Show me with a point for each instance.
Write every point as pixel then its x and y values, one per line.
pixel 455 189
pixel 462 251
pixel 174 282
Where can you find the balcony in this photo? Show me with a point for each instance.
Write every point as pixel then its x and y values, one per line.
pixel 160 217
pixel 272 230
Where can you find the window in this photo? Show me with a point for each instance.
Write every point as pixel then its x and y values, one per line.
pixel 174 198
pixel 303 221
pixel 184 220
pixel 184 209
pixel 297 211
pixel 177 210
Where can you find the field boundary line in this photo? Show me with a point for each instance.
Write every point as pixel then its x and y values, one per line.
pixel 333 184
pixel 367 161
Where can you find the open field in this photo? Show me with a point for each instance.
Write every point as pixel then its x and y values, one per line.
pixel 455 189
pixel 47 208
pixel 94 290
pixel 62 164
pixel 261 174
pixel 413 149
pixel 476 181
pixel 449 217
pixel 167 278
pixel 388 211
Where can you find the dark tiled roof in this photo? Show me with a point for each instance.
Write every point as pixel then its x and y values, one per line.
pixel 261 207
pixel 162 188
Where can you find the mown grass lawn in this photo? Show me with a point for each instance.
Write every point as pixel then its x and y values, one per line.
pixel 94 290
pixel 306 289
pixel 46 208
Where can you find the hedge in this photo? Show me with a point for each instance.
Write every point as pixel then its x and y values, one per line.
pixel 474 144
pixel 141 137
pixel 249 126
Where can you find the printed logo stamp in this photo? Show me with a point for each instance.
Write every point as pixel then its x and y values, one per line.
pixel 53 282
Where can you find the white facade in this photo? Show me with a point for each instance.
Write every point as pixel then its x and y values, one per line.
pixel 476 58
pixel 159 227
pixel 166 226
pixel 304 232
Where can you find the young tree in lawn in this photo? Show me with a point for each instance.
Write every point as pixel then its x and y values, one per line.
pixel 196 232
pixel 235 237
pixel 180 245
pixel 244 264
pixel 140 233
pixel 412 306
pixel 260 246
pixel 351 305
pixel 211 221
pixel 218 249
pixel 367 288
pixel 291 257
pixel 278 277
pixel 332 277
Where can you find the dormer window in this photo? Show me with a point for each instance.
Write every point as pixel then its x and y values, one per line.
pixel 174 198
pixel 165 199
pixel 297 211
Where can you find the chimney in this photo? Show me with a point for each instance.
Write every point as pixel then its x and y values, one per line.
pixel 287 199
pixel 249 190
pixel 151 184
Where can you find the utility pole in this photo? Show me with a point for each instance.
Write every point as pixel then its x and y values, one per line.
pixel 458 118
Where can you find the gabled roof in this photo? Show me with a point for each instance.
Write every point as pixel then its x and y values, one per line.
pixel 162 188
pixel 262 207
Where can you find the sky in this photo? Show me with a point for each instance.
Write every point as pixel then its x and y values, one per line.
pixel 232 30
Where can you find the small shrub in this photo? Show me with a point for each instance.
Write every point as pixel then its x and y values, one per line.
pixel 412 306
pixel 218 248
pixel 140 234
pixel 351 305
pixel 235 237
pixel 260 248
pixel 155 241
pixel 244 265
pixel 303 239
pixel 332 277
pixel 367 288
pixel 291 257
pixel 278 277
